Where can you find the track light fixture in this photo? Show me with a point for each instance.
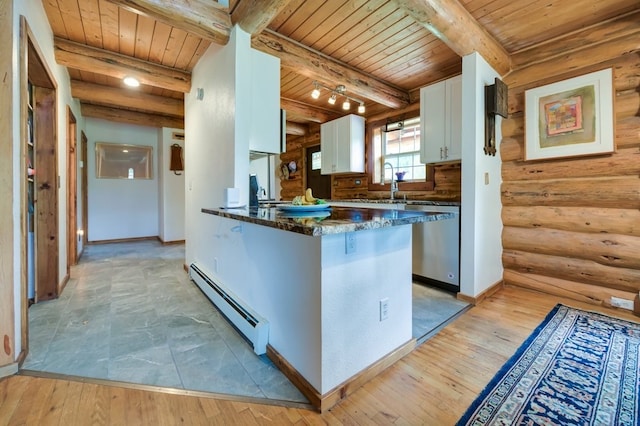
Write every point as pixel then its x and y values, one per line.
pixel 339 90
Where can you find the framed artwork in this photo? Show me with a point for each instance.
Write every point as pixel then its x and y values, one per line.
pixel 571 117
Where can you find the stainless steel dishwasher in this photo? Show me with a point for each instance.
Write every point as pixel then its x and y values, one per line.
pixel 436 248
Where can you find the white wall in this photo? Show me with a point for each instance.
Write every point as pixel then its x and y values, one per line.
pixel 216 144
pixel 481 223
pixel 171 188
pixel 39 25
pixel 121 208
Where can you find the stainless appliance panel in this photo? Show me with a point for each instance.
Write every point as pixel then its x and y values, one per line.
pixel 436 247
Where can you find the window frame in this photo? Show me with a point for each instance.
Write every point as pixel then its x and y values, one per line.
pixel 427 185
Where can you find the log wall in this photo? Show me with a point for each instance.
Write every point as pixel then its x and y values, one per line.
pixel 572 226
pixel 343 187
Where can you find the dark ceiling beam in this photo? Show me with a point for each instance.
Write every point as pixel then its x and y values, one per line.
pixel 457 28
pixel 313 64
pixel 608 40
pixel 253 16
pixel 130 117
pixel 297 129
pixel 205 18
pixel 126 98
pixel 308 112
pixel 86 58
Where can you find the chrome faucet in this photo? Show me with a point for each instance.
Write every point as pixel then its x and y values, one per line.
pixel 394 184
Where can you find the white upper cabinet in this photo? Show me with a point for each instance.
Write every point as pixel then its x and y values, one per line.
pixel 342 145
pixel 441 121
pixel 265 103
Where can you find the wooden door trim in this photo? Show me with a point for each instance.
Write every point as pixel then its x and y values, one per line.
pixel 84 141
pixel 72 190
pixel 8 295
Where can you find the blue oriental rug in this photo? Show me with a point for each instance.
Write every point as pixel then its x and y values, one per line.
pixel 577 368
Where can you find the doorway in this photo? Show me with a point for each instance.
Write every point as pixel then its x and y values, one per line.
pixel 72 192
pixel 39 168
pixel 320 184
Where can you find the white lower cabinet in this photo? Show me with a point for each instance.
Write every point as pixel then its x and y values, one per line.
pixel 441 121
pixel 342 145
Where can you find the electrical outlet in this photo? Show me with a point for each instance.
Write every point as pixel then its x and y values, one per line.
pixel 622 303
pixel 384 309
pixel 349 242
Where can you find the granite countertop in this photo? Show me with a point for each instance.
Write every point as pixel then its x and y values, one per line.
pixel 378 201
pixel 334 220
pixel 401 201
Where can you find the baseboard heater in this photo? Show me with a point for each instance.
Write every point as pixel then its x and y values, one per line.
pixel 254 328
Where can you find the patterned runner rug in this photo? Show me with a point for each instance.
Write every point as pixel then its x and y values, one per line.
pixel 576 368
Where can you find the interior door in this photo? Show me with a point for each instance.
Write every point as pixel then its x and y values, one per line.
pixel 320 184
pixel 46 194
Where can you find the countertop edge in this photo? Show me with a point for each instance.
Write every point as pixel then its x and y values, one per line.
pixel 328 227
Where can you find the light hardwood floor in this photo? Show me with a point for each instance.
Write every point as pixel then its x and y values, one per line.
pixel 433 385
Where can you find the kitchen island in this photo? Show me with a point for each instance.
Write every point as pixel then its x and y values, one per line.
pixel 334 286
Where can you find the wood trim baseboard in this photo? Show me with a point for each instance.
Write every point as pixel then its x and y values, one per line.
pixel 9 369
pixel 63 284
pixel 328 400
pixel 169 243
pixel 123 240
pixel 482 296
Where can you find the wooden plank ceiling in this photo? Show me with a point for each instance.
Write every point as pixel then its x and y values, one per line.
pixel 382 51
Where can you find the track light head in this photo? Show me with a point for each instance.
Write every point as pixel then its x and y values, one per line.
pixel 332 99
pixel 346 104
pixel 316 90
pixel 361 109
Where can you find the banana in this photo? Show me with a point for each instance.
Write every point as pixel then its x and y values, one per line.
pixel 308 195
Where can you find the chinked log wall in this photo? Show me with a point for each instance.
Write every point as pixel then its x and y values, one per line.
pixel 447 177
pixel 572 226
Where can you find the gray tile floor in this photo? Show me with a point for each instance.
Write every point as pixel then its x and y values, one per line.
pixel 432 310
pixel 130 313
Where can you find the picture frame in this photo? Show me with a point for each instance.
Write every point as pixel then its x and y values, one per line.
pixel 573 117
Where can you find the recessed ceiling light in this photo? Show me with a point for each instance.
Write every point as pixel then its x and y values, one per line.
pixel 131 81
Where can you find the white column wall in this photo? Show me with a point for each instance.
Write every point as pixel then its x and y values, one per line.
pixel 481 223
pixel 171 189
pixel 217 133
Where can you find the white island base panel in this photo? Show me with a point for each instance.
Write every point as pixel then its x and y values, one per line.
pixel 321 295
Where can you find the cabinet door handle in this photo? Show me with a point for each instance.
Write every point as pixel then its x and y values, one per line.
pixel 446 152
pixel 441 157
